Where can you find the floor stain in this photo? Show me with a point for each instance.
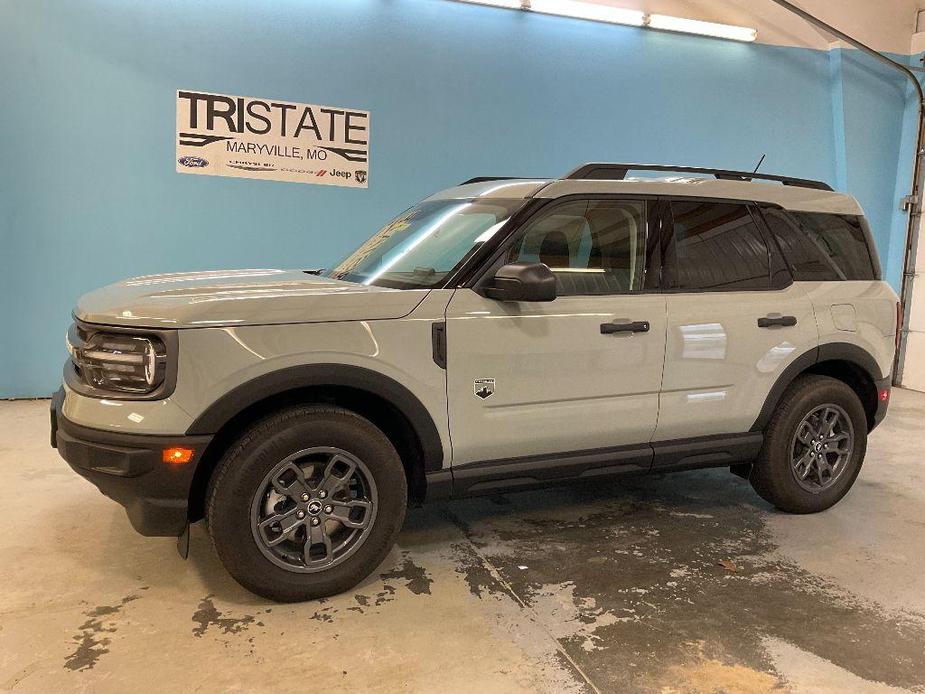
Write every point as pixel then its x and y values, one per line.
pixel 325 614
pixel 387 594
pixel 208 615
pixel 415 577
pixel 478 574
pixel 639 612
pixel 700 672
pixel 92 642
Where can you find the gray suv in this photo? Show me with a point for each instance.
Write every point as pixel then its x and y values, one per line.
pixel 502 334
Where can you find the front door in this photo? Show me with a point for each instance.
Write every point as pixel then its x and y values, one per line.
pixel 581 373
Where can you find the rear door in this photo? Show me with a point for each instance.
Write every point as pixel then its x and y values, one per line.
pixel 580 373
pixel 833 256
pixel 735 319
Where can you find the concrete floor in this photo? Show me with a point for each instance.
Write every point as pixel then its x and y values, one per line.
pixel 686 583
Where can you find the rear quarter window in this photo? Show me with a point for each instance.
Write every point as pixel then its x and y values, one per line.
pixel 822 247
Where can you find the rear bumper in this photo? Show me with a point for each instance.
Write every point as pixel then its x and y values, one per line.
pixel 883 385
pixel 128 468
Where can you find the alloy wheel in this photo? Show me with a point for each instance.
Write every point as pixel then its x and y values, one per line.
pixel 314 509
pixel 822 447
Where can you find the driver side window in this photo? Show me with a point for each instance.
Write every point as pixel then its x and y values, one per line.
pixel 591 246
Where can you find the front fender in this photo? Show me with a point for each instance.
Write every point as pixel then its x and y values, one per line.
pixel 220 412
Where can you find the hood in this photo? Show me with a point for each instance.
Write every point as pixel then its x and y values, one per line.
pixel 240 297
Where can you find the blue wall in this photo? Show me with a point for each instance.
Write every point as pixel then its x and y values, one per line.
pixel 88 191
pixel 874 119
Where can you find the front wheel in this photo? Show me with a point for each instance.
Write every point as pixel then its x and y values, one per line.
pixel 306 503
pixel 814 446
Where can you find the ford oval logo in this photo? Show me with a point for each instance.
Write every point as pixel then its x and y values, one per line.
pixel 193 162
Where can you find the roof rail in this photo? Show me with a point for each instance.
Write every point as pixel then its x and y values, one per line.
pixel 482 179
pixel 617 172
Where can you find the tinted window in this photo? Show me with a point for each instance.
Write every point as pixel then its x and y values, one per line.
pixel 822 247
pixel 715 246
pixel 592 246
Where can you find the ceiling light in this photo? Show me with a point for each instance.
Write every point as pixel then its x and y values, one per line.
pixel 510 4
pixel 585 10
pixel 694 26
pixel 620 15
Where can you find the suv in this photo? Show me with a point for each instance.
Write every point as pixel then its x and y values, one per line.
pixel 502 334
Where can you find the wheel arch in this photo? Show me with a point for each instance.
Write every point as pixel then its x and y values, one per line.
pixel 386 403
pixel 844 361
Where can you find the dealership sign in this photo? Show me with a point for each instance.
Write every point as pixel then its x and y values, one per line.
pixel 222 135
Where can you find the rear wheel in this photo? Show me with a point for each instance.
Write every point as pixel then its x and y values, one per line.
pixel 814 446
pixel 307 503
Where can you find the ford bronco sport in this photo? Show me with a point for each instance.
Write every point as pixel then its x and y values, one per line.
pixel 502 334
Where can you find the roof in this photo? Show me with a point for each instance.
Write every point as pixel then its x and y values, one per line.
pixel 789 197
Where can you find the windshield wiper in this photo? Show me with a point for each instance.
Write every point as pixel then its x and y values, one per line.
pixel 314 271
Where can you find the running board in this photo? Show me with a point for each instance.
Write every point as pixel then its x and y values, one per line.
pixel 509 474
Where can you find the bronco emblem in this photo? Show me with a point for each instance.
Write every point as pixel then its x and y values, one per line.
pixel 484 387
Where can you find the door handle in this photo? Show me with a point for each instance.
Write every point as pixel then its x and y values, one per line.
pixel 637 326
pixel 770 321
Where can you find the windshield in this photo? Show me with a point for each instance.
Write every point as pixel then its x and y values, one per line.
pixel 426 243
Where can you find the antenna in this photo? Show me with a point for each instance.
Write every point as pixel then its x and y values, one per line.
pixel 760 162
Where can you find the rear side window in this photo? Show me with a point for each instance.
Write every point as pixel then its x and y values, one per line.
pixel 822 247
pixel 715 246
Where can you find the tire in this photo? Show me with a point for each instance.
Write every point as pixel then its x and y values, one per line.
pixel 278 469
pixel 775 476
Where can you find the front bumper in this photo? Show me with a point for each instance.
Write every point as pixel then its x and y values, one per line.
pixel 129 469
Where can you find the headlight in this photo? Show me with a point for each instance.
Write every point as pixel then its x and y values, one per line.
pixel 116 362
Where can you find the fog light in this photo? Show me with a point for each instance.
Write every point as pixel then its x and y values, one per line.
pixel 177 456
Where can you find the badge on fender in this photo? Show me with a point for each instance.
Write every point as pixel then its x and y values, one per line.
pixel 484 387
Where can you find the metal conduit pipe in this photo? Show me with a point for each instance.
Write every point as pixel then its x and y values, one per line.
pixel 913 202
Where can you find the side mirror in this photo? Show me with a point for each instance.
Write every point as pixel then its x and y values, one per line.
pixel 522 282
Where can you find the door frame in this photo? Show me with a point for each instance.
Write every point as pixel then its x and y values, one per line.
pixel 475 273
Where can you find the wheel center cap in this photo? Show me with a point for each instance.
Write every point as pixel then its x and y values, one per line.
pixel 314 508
pixel 818 448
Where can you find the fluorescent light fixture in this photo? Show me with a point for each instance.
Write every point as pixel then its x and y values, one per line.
pixel 694 26
pixel 509 4
pixel 621 15
pixel 586 10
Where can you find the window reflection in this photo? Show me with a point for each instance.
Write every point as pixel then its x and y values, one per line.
pixel 593 247
pixel 715 246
